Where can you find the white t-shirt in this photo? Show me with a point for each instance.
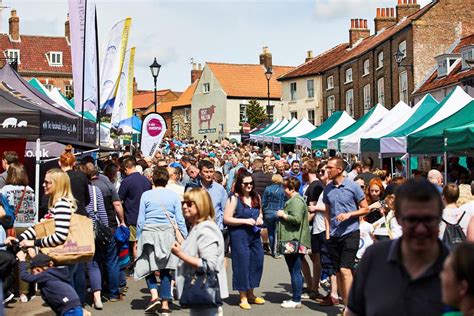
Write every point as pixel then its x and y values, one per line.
pixel 380 226
pixel 365 238
pixel 452 216
pixel 319 224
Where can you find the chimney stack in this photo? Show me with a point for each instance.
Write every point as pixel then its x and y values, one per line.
pixel 135 86
pixel 196 72
pixel 66 29
pixel 384 19
pixel 309 56
pixel 14 26
pixel 358 30
pixel 406 8
pixel 266 58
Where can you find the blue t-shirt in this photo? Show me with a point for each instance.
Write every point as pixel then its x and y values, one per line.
pixel 130 192
pixel 344 198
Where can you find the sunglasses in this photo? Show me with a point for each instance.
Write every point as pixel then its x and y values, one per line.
pixel 427 221
pixel 187 203
pixel 247 183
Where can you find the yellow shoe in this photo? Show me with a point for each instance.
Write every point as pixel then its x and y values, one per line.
pixel 245 305
pixel 257 301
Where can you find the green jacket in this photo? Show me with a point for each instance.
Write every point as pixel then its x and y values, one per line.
pixel 297 212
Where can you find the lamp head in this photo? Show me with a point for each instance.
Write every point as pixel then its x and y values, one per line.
pixel 269 73
pixel 155 69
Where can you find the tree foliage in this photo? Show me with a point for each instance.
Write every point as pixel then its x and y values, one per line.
pixel 255 113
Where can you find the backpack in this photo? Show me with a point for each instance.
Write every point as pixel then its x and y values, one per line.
pixel 453 234
pixel 9 219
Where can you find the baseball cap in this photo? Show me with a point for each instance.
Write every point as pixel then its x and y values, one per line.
pixel 40 260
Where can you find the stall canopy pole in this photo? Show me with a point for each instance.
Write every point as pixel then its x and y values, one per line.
pixel 445 167
pixel 37 176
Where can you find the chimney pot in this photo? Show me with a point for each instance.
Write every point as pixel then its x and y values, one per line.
pixel 66 28
pixel 378 12
pixel 392 12
pixel 199 67
pixel 365 24
pixel 14 26
pixel 266 58
pixel 196 72
pixel 309 56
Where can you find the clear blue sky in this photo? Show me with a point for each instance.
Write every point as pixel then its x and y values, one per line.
pixel 217 31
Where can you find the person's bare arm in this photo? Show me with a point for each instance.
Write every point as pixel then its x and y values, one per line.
pixel 327 219
pixel 119 210
pixel 363 210
pixel 229 218
pixel 470 230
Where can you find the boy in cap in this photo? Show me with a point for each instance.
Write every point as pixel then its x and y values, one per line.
pixel 53 284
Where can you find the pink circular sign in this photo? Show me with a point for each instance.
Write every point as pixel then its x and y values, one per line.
pixel 154 127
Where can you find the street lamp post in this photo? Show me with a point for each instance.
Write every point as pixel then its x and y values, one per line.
pixel 268 74
pixel 399 56
pixel 155 71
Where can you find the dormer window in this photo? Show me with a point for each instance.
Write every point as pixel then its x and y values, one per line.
pixel 206 87
pixel 55 58
pixel 467 54
pixel 12 55
pixel 446 63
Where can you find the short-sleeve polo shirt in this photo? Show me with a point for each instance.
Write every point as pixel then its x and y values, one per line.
pixel 344 198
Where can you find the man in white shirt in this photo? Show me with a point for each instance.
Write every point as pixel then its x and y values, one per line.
pixel 173 182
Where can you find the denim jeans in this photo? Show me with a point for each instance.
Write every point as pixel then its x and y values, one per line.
pixel 77 279
pixel 294 266
pixel 271 221
pixel 75 311
pixel 106 258
pixel 165 286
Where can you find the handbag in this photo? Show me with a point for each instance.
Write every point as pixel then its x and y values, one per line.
pixel 79 245
pixel 289 247
pixel 102 234
pixel 201 289
pixel 177 233
pixel 9 219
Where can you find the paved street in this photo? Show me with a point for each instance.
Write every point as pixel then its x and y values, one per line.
pixel 274 288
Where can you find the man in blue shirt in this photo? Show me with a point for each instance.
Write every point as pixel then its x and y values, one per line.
pixel 345 203
pixel 295 172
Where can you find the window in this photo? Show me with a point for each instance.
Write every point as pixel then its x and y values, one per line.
pixel 331 103
pixel 348 75
pixel 330 82
pixel 293 115
pixel 311 116
pixel 55 58
pixel 380 91
pixel 380 60
pixel 442 68
pixel 402 47
pixel 187 115
pixel 310 88
pixel 243 113
pixel 367 101
pixel 366 67
pixel 69 91
pixel 403 86
pixel 270 112
pixel 293 91
pixel 13 54
pixel 467 53
pixel 350 102
pixel 48 86
pixel 206 87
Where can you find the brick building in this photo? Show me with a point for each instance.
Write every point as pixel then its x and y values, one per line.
pixel 453 68
pixel 47 58
pixel 368 73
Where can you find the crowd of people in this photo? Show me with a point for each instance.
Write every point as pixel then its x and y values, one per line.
pixel 343 227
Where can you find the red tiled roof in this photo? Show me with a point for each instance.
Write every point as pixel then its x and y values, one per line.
pixel 186 97
pixel 162 107
pixel 343 53
pixel 33 50
pixel 143 99
pixel 455 76
pixel 248 81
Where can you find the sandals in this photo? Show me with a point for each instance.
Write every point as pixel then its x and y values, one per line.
pixel 245 305
pixel 257 301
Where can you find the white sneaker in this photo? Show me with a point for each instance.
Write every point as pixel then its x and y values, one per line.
pixel 290 304
pixel 23 298
pixel 305 295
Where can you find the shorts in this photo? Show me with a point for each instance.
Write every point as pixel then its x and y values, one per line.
pixel 319 246
pixel 133 232
pixel 343 250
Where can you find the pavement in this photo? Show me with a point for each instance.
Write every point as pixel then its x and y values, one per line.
pixel 275 287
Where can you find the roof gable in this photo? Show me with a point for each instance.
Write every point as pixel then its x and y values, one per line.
pixel 248 81
pixel 185 99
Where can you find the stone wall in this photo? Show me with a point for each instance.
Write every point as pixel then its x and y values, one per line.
pixel 179 119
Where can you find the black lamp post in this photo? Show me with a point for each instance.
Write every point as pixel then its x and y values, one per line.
pixel 399 56
pixel 268 74
pixel 155 71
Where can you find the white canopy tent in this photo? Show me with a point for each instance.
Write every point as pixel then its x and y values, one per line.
pixel 269 137
pixel 344 121
pixel 303 127
pixel 453 103
pixel 389 122
pixel 282 123
pixel 253 136
pixel 371 119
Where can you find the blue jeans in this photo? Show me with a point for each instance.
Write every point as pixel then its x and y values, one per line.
pixel 77 279
pixel 76 311
pixel 294 266
pixel 105 258
pixel 165 286
pixel 271 221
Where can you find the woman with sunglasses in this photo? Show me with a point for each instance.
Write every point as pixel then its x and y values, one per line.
pixel 203 244
pixel 294 226
pixel 243 215
pixel 160 211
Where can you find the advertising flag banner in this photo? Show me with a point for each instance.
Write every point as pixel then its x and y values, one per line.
pixel 123 105
pixel 153 130
pixel 111 68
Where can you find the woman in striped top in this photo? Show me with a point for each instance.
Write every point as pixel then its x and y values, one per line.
pixel 61 206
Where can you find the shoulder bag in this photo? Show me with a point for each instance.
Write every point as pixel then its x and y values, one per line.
pixel 289 247
pixel 178 235
pixel 102 234
pixel 201 289
pixel 11 218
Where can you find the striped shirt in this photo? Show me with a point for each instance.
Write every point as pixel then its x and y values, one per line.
pixel 61 213
pixel 101 212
